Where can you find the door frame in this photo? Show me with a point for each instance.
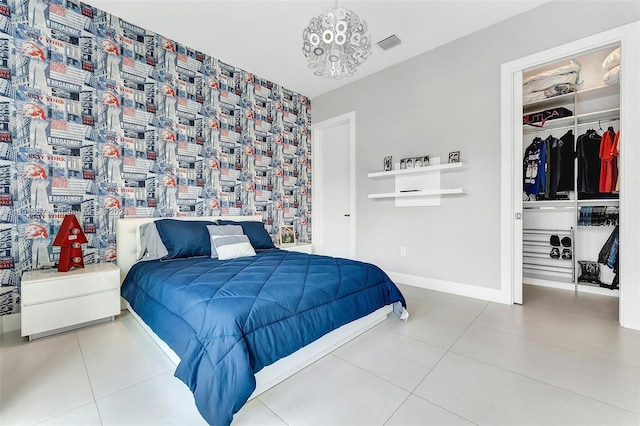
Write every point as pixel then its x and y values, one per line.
pixel 628 36
pixel 317 221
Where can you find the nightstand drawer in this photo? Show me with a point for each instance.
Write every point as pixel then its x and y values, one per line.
pixel 69 312
pixel 52 285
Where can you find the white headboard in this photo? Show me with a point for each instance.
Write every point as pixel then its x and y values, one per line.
pixel 128 236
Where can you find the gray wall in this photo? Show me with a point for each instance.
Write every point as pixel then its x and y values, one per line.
pixel 445 100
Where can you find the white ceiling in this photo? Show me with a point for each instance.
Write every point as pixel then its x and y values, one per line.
pixel 265 36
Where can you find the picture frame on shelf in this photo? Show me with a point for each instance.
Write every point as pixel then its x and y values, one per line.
pixel 409 162
pixel 403 164
pixel 388 163
pixel 454 157
pixel 421 161
pixel 287 236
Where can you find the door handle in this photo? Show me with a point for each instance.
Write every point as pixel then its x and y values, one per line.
pixel 347 215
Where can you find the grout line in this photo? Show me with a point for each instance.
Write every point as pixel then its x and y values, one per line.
pixel 86 369
pixel 445 409
pixel 547 384
pixel 396 410
pixel 510 333
pixel 267 407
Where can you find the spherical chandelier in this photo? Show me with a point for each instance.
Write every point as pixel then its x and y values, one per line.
pixel 336 43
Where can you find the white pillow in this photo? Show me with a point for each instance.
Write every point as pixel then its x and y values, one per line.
pixel 612 60
pixel 151 245
pixel 222 230
pixel 612 76
pixel 233 246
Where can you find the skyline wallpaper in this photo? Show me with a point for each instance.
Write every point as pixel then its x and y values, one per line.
pixel 103 119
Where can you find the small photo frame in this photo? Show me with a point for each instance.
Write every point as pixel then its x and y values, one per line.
pixel 403 163
pixel 454 157
pixel 425 161
pixel 287 236
pixel 388 164
pixel 409 163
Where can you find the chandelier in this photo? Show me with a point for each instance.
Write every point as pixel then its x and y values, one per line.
pixel 336 43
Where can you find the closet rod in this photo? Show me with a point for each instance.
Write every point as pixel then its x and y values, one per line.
pixel 546 231
pixel 571 126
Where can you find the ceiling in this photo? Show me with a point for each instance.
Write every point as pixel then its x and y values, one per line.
pixel 265 36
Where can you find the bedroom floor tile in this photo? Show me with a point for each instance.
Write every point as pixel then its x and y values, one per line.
pixel 546 362
pixel 595 377
pixel 417 412
pixel 120 354
pixel 334 392
pixel 255 413
pixel 428 328
pixel 86 415
pixel 595 336
pixel 163 400
pixel 485 394
pixel 41 379
pixel 398 359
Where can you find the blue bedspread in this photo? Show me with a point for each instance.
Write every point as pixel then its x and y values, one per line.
pixel 226 320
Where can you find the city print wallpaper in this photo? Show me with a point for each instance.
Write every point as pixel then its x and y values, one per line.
pixel 103 119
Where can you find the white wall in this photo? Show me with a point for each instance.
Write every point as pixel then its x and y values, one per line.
pixel 445 100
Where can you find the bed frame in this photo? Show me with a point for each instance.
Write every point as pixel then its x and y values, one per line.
pixel 127 232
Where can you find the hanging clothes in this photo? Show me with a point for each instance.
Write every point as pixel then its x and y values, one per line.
pixel 554 163
pixel 608 166
pixel 567 157
pixel 615 151
pixel 609 255
pixel 534 164
pixel 588 152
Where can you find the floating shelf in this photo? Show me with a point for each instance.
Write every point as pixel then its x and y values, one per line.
pixel 418 186
pixel 426 169
pixel 418 193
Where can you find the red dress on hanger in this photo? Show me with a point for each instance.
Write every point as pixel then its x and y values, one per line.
pixel 608 166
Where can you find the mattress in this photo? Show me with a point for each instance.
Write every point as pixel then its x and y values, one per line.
pixel 227 320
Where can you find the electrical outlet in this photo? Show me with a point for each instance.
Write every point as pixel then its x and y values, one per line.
pixel 403 251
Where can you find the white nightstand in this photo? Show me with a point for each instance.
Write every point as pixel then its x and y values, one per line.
pixel 302 247
pixel 53 302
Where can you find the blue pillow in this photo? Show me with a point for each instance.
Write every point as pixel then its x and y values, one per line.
pixel 184 238
pixel 258 236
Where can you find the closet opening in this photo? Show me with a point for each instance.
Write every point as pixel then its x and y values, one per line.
pixel 579 211
pixel 570 181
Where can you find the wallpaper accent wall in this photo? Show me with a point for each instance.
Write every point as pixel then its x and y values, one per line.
pixel 104 119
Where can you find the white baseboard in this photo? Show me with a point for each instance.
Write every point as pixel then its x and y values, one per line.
pixel 9 323
pixel 483 293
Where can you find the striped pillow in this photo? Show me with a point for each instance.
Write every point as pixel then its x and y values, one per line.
pixel 232 246
pixel 220 230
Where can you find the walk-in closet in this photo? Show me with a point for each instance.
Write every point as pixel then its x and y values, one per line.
pixel 570 182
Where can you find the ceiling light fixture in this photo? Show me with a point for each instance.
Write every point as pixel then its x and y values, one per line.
pixel 336 43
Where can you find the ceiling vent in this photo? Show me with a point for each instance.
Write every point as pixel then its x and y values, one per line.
pixel 389 42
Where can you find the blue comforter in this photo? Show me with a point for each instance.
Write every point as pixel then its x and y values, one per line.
pixel 226 320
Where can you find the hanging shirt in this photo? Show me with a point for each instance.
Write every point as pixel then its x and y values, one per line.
pixel 608 166
pixel 534 163
pixel 588 152
pixel 554 147
pixel 567 157
pixel 615 151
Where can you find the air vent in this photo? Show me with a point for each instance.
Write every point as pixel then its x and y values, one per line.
pixel 389 42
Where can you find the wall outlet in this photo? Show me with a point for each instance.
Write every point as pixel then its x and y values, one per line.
pixel 403 251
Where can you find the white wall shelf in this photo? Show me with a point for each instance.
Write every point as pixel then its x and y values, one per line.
pixel 427 169
pixel 418 186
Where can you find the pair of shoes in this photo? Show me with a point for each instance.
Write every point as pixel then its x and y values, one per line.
pixel 554 241
pixel 566 254
pixel 555 253
pixel 566 242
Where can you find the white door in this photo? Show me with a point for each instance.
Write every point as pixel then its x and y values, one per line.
pixel 333 207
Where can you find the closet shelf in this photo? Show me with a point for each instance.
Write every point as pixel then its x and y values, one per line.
pixel 599 202
pixel 416 170
pixel 418 193
pixel 598 115
pixel 549 102
pixel 598 92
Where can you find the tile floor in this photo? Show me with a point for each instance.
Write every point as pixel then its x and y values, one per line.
pixel 557 360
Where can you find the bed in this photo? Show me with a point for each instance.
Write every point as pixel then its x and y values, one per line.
pixel 234 328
